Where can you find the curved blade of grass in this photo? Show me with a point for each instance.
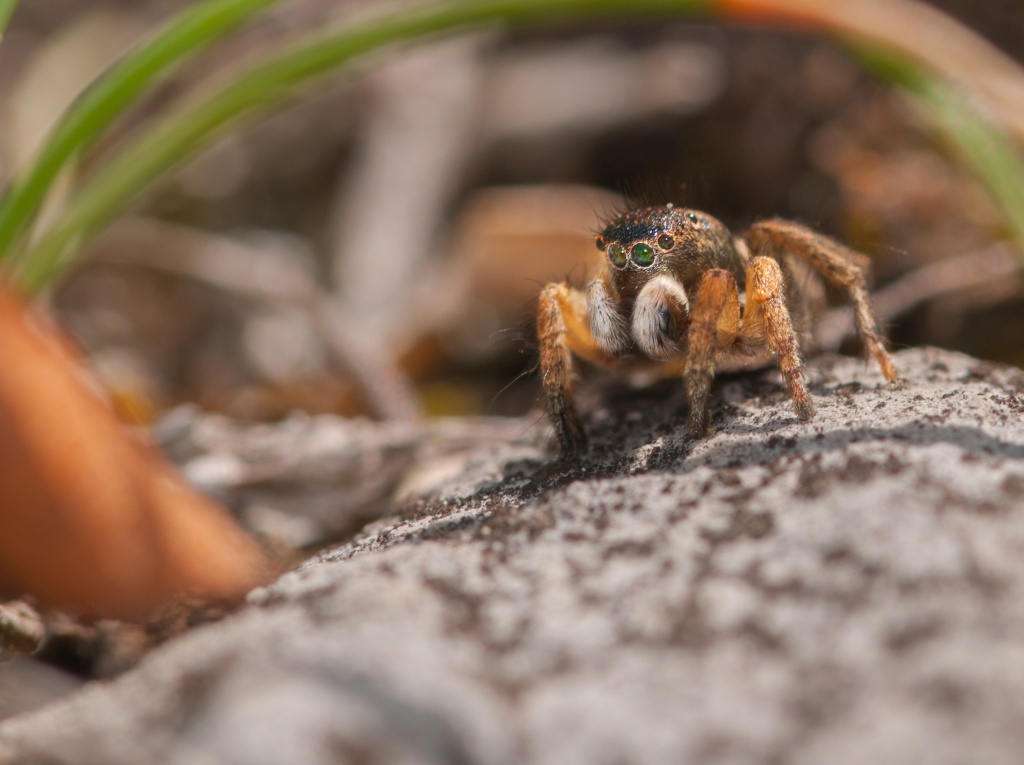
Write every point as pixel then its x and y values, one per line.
pixel 994 158
pixel 6 10
pixel 180 136
pixel 908 31
pixel 185 36
pixel 972 90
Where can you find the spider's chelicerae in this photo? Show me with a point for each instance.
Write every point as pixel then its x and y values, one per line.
pixel 678 288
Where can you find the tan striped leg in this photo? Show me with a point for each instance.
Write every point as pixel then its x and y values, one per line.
pixel 839 265
pixel 767 316
pixel 563 329
pixel 714 324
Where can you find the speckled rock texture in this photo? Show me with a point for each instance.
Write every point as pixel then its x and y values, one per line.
pixel 848 590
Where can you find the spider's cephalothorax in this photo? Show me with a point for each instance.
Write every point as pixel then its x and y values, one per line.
pixel 676 286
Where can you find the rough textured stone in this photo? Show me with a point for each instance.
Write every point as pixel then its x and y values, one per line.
pixel 846 590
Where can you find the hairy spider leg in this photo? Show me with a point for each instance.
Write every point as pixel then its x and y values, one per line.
pixel 714 325
pixel 608 327
pixel 766 318
pixel 837 264
pixel 563 329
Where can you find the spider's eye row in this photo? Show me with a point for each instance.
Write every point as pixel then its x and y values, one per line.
pixel 666 242
pixel 617 255
pixel 643 254
pixel 599 241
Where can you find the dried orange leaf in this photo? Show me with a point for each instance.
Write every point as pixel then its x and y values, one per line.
pixel 95 521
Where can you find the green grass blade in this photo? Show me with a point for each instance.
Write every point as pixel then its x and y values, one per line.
pixel 994 158
pixel 180 136
pixel 6 10
pixel 109 96
pixel 989 152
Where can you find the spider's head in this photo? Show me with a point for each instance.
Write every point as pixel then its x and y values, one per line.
pixel 642 243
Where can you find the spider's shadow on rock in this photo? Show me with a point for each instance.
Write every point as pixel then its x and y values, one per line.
pixel 973 442
pixel 620 417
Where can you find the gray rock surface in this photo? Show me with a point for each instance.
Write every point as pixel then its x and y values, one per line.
pixel 848 590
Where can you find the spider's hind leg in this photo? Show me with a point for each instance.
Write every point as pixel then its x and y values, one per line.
pixel 837 264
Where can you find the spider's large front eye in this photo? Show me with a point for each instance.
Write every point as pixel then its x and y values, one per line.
pixel 617 255
pixel 643 254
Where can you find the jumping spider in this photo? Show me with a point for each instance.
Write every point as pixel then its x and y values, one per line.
pixel 678 288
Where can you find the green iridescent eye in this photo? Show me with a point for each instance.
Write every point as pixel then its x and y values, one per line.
pixel 666 242
pixel 643 254
pixel 617 255
pixel 692 216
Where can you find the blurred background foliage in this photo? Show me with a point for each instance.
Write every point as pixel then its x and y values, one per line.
pixel 375 248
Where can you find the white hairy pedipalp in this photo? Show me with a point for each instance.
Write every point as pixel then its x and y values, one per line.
pixel 607 325
pixel 661 300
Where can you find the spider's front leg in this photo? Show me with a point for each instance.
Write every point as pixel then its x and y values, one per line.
pixel 563 329
pixel 714 324
pixel 839 265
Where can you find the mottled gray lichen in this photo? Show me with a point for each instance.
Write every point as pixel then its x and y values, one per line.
pixel 846 590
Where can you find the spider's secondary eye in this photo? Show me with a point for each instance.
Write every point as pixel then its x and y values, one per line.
pixel 617 255
pixel 666 242
pixel 599 241
pixel 692 216
pixel 643 254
